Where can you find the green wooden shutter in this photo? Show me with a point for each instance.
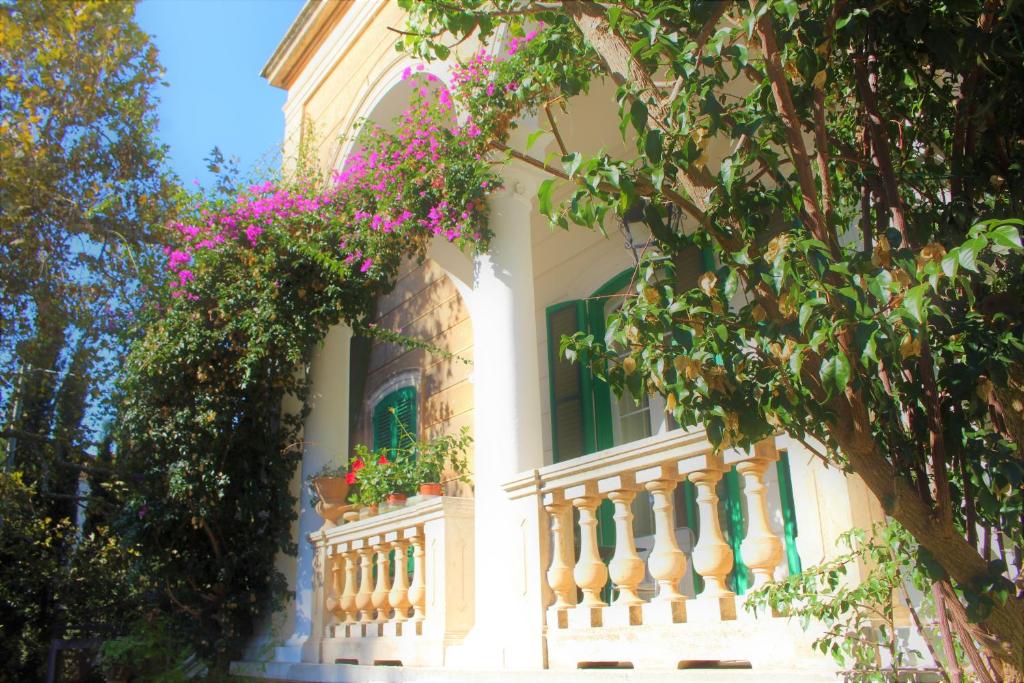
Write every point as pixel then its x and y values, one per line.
pixel 572 404
pixel 395 429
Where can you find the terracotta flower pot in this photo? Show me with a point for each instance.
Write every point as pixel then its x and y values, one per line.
pixel 431 489
pixel 396 499
pixel 367 511
pixel 332 492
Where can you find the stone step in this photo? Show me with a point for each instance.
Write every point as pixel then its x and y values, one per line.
pixel 349 673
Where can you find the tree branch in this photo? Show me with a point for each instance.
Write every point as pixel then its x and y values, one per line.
pixel 880 145
pixel 798 151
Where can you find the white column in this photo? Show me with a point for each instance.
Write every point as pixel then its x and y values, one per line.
pixel 325 436
pixel 507 412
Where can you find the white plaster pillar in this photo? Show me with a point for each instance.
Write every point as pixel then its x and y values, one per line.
pixel 507 412
pixel 325 436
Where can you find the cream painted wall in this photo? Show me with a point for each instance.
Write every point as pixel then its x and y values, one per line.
pixel 424 305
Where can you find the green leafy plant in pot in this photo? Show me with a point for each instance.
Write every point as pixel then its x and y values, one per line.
pixel 441 459
pixel 383 475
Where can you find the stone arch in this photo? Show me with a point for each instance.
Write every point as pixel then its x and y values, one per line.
pixel 430 301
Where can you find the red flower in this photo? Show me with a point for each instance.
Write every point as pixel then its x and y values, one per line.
pixel 350 478
pixel 383 460
pixel 358 465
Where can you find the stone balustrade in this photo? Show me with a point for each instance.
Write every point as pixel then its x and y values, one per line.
pixel 396 587
pixel 596 596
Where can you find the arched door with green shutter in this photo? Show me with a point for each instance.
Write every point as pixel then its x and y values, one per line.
pixel 394 419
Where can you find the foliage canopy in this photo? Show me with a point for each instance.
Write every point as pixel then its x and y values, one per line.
pixel 855 171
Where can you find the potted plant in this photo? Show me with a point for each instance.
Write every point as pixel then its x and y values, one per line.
pixel 382 478
pixel 442 455
pixel 329 490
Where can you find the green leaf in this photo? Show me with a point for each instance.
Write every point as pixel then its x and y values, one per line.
pixel 806 308
pixel 732 282
pixel 572 162
pixel 827 373
pixel 1006 235
pixel 915 303
pixel 652 146
pixel 613 16
pixel 842 372
pixel 950 263
pixel 638 116
pixel 967 253
pixel 726 173
pixel 657 176
pixel 870 349
pixel 532 137
pixel 544 196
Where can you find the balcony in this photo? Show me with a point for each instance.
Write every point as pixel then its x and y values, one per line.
pixel 657 601
pixel 624 607
pixel 396 588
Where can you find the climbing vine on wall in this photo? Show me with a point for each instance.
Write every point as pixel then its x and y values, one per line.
pixel 255 280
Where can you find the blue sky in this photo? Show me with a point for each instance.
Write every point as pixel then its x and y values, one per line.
pixel 213 52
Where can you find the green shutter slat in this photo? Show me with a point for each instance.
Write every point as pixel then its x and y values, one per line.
pixel 693 523
pixel 788 512
pixel 381 426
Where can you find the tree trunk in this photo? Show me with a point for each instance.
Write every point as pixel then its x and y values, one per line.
pixel 947 545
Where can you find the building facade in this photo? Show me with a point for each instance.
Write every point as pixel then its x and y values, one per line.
pixel 595 533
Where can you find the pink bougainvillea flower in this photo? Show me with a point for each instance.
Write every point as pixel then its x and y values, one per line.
pixel 367 264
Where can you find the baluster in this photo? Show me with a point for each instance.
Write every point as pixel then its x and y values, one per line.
pixel 626 568
pixel 399 596
pixel 381 590
pixel 667 563
pixel 418 588
pixel 560 572
pixel 590 572
pixel 712 558
pixel 333 590
pixel 348 593
pixel 364 598
pixel 761 548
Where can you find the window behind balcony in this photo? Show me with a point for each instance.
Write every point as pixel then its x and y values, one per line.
pixel 394 419
pixel 587 417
